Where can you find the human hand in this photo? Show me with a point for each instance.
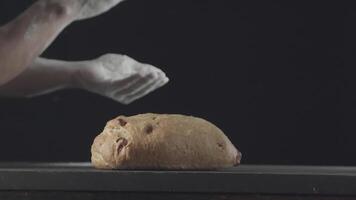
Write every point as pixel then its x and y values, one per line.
pixel 119 77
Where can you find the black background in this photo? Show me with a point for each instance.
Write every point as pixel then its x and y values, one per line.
pixel 277 77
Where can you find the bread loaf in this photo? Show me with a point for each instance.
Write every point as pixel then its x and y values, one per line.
pixel 160 141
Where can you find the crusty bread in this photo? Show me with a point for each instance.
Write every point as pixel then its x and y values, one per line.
pixel 160 141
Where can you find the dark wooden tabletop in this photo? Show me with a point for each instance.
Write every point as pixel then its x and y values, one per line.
pixel 245 179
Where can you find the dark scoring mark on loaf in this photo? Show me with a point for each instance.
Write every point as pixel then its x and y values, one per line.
pixel 220 145
pixel 154 118
pixel 122 142
pixel 149 129
pixel 122 122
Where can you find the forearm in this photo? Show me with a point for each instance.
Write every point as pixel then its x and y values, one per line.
pixel 25 38
pixel 41 77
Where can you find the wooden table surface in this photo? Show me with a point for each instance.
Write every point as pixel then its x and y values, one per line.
pixel 51 180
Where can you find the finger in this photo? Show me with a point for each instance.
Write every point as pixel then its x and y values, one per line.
pixel 143 93
pixel 119 94
pixel 155 76
pixel 146 68
pixel 124 84
pixel 146 90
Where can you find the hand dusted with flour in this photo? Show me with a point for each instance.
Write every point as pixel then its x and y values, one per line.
pixel 119 77
pixel 158 141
